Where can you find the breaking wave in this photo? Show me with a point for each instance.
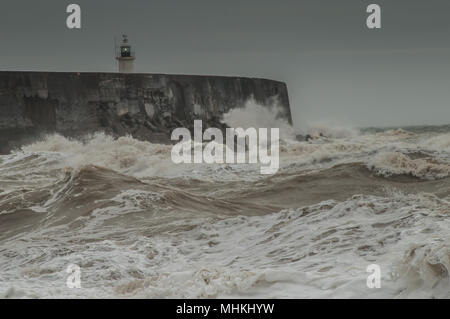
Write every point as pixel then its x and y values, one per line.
pixel 395 163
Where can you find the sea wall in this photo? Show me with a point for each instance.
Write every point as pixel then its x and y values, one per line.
pixel 146 106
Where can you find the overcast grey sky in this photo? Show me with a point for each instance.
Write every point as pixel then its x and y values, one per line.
pixel 336 69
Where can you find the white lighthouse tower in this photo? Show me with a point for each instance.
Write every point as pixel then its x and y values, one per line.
pixel 125 56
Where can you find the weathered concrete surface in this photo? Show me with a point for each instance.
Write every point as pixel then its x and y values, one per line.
pixel 147 106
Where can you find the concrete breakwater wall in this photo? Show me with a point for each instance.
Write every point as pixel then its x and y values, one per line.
pixel 146 106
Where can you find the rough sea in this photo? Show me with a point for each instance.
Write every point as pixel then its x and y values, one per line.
pixel 139 226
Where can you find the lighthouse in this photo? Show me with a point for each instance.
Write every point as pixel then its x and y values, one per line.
pixel 125 56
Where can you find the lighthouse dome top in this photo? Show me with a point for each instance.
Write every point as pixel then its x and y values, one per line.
pixel 125 40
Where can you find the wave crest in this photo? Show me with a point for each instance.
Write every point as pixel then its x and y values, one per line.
pixel 395 163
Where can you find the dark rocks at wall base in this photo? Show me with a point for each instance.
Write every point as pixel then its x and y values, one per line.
pixel 146 106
